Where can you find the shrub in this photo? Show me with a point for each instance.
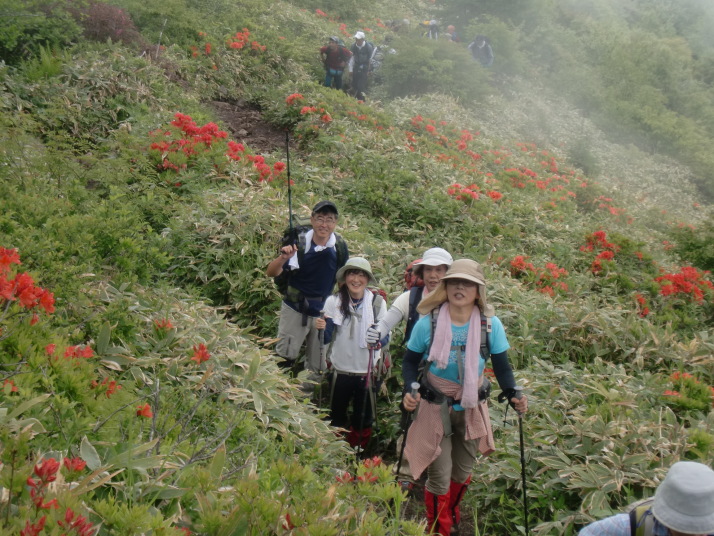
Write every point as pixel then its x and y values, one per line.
pixel 423 66
pixel 27 25
pixel 101 21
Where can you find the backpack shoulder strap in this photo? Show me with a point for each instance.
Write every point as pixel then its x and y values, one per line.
pixel 376 303
pixel 641 518
pixel 485 330
pixel 415 294
pixel 342 251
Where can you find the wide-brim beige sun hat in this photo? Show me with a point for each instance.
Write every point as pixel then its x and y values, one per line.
pixel 356 263
pixel 459 269
pixel 432 257
pixel 684 501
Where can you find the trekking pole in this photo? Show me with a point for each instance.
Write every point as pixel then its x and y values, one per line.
pixel 290 191
pixel 519 395
pixel 406 422
pixel 366 398
pixel 321 338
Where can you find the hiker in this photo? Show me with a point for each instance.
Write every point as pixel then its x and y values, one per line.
pixel 451 33
pixel 453 421
pixel 481 50
pixel 311 278
pixel 430 269
pixel 360 65
pixel 683 504
pixel 432 29
pixel 334 57
pixel 348 314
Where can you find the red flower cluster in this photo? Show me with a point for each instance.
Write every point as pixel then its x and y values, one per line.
pixel 642 305
pixel 34 529
pixel 79 351
pixel 188 139
pixel 13 387
pixel 21 288
pixel 605 203
pixel 463 193
pixel 46 472
pixel 544 279
pixel 163 324
pixel 110 386
pixel 345 478
pixel 241 39
pixel 688 282
pixel 74 465
pixel 598 241
pixel 144 411
pixel 200 354
pixel 79 524
pixel 291 99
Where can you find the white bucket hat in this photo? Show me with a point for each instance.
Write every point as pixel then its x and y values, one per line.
pixel 684 501
pixel 359 35
pixel 356 263
pixel 432 257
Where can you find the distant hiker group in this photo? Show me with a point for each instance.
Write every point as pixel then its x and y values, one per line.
pixel 362 59
pixel 452 332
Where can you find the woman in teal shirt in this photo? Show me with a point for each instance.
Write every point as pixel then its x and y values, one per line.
pixel 453 424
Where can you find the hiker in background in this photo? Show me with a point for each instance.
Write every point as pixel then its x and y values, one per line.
pixel 453 422
pixel 380 51
pixel 481 50
pixel 348 314
pixel 430 269
pixel 312 274
pixel 683 505
pixel 334 57
pixel 432 29
pixel 451 33
pixel 360 65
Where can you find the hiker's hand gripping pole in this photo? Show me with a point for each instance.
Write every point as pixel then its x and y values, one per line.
pixel 411 399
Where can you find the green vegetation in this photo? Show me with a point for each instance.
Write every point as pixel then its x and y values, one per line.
pixel 136 319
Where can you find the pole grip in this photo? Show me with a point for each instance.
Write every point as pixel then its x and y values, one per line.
pixel 415 389
pixel 518 392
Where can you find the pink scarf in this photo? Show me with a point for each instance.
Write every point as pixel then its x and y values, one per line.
pixel 441 347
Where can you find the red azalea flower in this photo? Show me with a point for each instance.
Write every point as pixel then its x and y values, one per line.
pixel 8 257
pixel 200 354
pixel 163 324
pixel 144 411
pixel 74 464
pixel 34 529
pixel 47 470
pixel 13 388
pixel 345 478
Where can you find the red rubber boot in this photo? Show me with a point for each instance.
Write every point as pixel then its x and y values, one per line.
pixel 438 513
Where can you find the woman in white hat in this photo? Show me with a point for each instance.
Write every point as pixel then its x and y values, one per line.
pixel 348 314
pixel 453 424
pixel 430 269
pixel 683 505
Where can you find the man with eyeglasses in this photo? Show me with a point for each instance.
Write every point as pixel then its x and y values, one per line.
pixel 312 268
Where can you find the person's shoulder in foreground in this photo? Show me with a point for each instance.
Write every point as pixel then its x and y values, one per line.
pixel 683 505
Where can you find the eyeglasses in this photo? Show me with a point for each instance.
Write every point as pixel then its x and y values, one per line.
pixel 465 283
pixel 322 220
